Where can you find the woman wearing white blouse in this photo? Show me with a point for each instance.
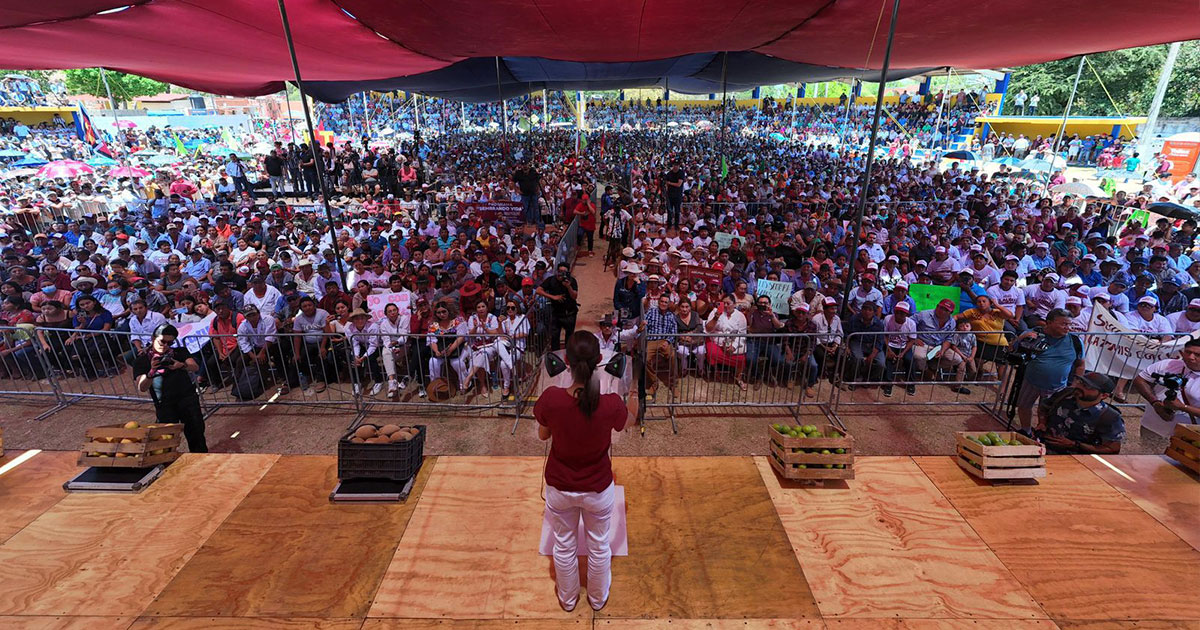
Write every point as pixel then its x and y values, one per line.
pixel 481 326
pixel 731 349
pixel 516 328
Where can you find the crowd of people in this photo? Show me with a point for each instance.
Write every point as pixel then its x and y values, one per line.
pixel 696 224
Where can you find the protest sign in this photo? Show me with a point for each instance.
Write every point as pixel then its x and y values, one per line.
pixel 376 302
pixel 707 274
pixel 510 212
pixel 779 292
pixel 193 336
pixel 1123 355
pixel 927 296
pixel 723 239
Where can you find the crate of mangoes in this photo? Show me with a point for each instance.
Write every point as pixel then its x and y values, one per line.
pixel 131 445
pixel 1185 446
pixel 811 451
pixel 1000 455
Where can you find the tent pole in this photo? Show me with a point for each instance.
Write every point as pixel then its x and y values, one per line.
pixel 724 100
pixel 464 115
pixel 1062 127
pixel 941 104
pixel 545 110
pixel 503 110
pixel 312 135
pixel 852 251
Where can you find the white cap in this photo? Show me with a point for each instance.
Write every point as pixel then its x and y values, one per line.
pixel 901 306
pixel 1051 276
pixel 1041 245
pixel 1194 303
pixel 893 259
pixel 902 285
pixel 921 262
pixel 1103 295
pixel 1011 257
pixel 1074 299
pixel 1090 257
pixel 1146 299
pixel 939 250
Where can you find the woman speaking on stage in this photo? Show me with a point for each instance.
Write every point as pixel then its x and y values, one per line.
pixel 579 423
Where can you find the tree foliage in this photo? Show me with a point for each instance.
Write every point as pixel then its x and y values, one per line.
pixel 125 87
pixel 1129 75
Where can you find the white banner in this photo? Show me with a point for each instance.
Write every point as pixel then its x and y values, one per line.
pixel 194 335
pixel 1123 355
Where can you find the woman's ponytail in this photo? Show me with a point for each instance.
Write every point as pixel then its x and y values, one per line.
pixel 583 355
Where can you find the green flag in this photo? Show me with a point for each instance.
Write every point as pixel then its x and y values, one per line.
pixel 179 148
pixel 724 168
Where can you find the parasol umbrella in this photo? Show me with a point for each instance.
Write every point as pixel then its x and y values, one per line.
pixel 64 168
pixel 101 160
pixel 7 153
pixel 128 171
pixel 124 124
pixel 1033 164
pixel 778 137
pixel 161 160
pixel 215 149
pixel 969 156
pixel 262 148
pixel 1008 160
pixel 1174 210
pixel 17 172
pixel 1080 189
pixel 28 161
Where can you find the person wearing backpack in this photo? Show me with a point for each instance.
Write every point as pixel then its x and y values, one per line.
pixel 1051 368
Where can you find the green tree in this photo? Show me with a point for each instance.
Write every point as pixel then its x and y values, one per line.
pixel 1116 82
pixel 125 87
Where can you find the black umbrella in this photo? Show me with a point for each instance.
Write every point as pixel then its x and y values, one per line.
pixel 1174 211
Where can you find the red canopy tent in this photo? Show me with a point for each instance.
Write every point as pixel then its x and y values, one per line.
pixel 237 46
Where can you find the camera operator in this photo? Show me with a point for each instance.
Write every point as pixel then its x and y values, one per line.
pixel 163 370
pixel 562 290
pixel 1057 355
pixel 1077 420
pixel 1172 389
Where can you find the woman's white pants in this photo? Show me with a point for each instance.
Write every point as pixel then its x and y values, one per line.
pixel 596 510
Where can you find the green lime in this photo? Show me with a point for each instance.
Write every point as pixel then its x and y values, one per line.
pixel 826 451
pixel 986 441
pixel 839 451
pixel 809 428
pixel 829 465
pixel 801 465
pixel 1014 443
pixel 992 435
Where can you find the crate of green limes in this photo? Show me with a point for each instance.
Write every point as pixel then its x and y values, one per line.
pixel 811 451
pixel 1000 455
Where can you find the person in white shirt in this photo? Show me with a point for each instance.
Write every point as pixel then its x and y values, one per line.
pixel 142 322
pixel 985 273
pixel 901 340
pixel 515 327
pixel 1080 317
pixel 729 347
pixel 482 328
pixel 1187 320
pixel 262 296
pixel 163 253
pixel 1041 298
pixel 1145 319
pixel 1162 415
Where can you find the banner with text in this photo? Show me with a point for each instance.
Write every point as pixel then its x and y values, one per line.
pixel 1123 352
pixel 927 296
pixel 779 292
pixel 376 302
pixel 510 212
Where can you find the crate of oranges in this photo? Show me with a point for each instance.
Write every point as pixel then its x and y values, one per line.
pixel 131 445
pixel 811 451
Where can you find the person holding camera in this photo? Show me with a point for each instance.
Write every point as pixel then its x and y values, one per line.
pixel 1171 388
pixel 1054 354
pixel 562 290
pixel 164 370
pixel 1078 420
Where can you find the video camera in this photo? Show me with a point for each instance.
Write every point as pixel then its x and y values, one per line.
pixel 1172 382
pixel 1025 350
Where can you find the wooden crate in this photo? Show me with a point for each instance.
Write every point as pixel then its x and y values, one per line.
pixel 784 458
pixel 1182 447
pixel 1027 461
pixel 103 444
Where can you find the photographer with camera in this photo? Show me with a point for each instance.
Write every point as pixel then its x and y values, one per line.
pixel 163 370
pixel 1047 356
pixel 562 290
pixel 1077 420
pixel 1171 388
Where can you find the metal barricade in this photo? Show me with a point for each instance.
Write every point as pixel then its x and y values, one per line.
pixel 707 371
pixel 568 245
pixel 887 368
pixel 95 365
pixel 25 373
pixel 1124 355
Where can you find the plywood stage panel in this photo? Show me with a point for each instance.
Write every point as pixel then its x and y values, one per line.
pixel 710 624
pixel 890 545
pixel 1127 625
pixel 940 624
pixel 108 554
pixel 704 543
pixel 286 551
pixel 244 623
pixel 65 623
pixel 471 547
pixel 477 624
pixel 1158 486
pixel 1078 546
pixel 33 487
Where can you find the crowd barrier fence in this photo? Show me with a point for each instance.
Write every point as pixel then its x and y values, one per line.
pixel 966 368
pixel 701 370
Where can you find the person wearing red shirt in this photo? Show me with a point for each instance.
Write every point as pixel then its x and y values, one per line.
pixel 587 219
pixel 579 478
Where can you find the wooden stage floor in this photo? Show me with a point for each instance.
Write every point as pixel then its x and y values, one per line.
pixel 251 542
